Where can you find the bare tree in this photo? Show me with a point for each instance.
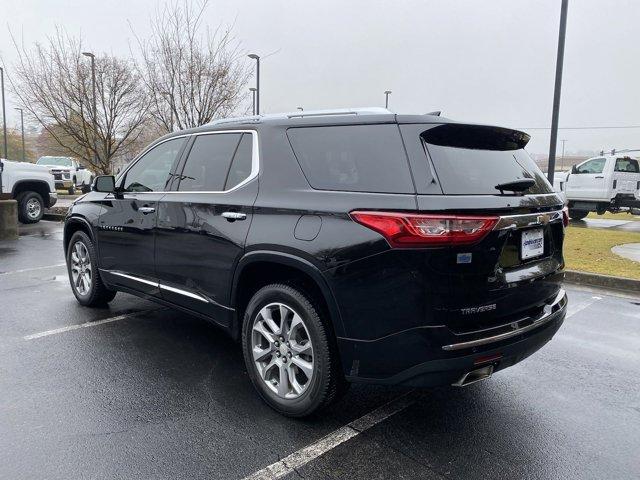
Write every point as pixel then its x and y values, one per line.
pixel 53 83
pixel 193 75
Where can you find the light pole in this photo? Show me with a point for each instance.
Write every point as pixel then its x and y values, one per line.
pixel 22 128
pixel 556 91
pixel 301 109
pixel 562 158
pixel 95 114
pixel 386 98
pixel 257 94
pixel 253 98
pixel 4 121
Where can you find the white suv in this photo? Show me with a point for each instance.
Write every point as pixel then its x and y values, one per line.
pixel 68 173
pixel 31 185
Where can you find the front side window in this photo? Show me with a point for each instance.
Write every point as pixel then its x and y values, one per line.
pixel 595 165
pixel 627 165
pixel 151 172
pixel 208 162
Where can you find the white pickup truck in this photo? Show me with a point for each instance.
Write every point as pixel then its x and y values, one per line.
pixel 68 173
pixel 31 185
pixel 607 183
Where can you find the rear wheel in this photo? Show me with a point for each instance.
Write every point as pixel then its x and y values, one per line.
pixel 577 214
pixel 84 277
pixel 288 352
pixel 30 207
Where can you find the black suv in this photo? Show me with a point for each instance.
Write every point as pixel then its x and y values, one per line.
pixel 338 247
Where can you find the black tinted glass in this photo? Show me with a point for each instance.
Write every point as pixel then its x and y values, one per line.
pixel 466 171
pixel 359 158
pixel 151 172
pixel 241 164
pixel 628 165
pixel 208 162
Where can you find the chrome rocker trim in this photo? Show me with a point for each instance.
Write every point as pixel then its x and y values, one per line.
pixel 546 316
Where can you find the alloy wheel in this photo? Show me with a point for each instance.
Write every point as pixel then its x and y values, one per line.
pixel 81 272
pixel 33 208
pixel 282 350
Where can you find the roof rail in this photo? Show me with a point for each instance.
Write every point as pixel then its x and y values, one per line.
pixel 340 111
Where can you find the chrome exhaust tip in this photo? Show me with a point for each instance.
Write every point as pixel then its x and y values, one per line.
pixel 474 376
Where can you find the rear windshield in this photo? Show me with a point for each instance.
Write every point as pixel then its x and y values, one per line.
pixel 357 158
pixel 471 160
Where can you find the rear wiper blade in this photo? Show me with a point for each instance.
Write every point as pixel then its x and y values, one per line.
pixel 516 185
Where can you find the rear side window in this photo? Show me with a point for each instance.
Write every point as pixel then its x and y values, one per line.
pixel 357 158
pixel 474 160
pixel 628 165
pixel 208 162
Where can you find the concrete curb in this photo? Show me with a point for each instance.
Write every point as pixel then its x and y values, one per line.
pixel 603 281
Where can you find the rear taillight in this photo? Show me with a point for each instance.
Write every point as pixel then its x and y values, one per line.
pixel 410 230
pixel 565 216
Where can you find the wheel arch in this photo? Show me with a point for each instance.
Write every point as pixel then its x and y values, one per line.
pixel 74 224
pixel 39 186
pixel 281 267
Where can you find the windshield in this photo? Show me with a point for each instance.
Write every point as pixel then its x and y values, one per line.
pixel 59 161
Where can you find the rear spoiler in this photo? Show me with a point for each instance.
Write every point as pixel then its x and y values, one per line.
pixel 477 137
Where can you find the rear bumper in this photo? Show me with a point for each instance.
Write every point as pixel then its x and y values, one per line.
pixel 420 357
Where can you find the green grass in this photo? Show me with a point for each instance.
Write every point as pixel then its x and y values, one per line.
pixel 615 216
pixel 589 250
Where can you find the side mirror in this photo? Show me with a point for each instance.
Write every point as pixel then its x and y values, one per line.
pixel 574 169
pixel 104 184
pixel 81 167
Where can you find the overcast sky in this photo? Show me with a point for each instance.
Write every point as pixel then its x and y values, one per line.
pixel 489 61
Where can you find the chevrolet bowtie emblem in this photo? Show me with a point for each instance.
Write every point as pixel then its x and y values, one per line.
pixel 543 219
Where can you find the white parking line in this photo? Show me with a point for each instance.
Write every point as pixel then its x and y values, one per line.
pixel 310 452
pixel 33 269
pixel 578 307
pixel 95 323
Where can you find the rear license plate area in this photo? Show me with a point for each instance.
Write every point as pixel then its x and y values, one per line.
pixel 531 243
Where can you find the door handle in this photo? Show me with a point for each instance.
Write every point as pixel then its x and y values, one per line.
pixel 600 176
pixel 231 216
pixel 146 210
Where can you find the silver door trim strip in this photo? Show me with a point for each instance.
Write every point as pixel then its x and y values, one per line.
pixel 162 286
pixel 183 292
pixel 131 277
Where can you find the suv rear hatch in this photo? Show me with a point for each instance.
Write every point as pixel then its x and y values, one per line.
pixel 513 271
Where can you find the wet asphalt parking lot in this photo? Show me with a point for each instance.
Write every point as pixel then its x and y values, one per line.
pixel 154 393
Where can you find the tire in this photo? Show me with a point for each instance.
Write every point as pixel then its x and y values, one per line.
pixel 30 207
pixel 82 260
pixel 307 392
pixel 577 214
pixel 72 188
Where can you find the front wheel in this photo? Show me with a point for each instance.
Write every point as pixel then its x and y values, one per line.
pixel 82 266
pixel 30 207
pixel 288 352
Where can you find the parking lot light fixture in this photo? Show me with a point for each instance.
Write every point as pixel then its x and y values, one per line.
pixel 255 57
pixel 386 98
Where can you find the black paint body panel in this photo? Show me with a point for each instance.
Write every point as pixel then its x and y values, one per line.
pixel 391 309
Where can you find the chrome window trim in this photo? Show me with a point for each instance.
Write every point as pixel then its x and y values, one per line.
pixel 255 161
pixel 508 222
